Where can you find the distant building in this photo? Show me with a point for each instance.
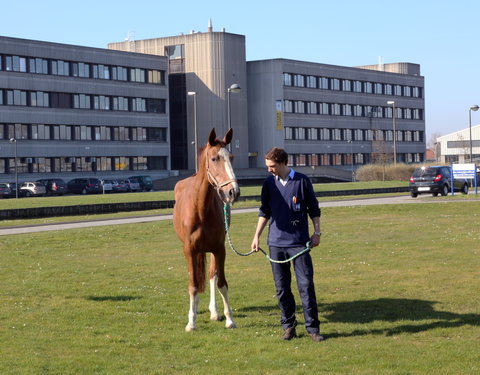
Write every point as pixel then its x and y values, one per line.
pixel 75 109
pixel 455 147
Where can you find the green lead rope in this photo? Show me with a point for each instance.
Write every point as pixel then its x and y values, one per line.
pixel 225 212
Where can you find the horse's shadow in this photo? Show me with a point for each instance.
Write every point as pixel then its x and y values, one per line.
pixel 388 310
pixel 111 298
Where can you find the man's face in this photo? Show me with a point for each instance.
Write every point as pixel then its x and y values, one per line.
pixel 274 168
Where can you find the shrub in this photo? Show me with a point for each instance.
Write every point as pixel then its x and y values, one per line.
pixel 386 172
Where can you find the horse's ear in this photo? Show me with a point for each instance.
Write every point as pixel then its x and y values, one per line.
pixel 212 137
pixel 228 137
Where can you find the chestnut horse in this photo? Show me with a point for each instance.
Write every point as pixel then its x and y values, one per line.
pixel 198 220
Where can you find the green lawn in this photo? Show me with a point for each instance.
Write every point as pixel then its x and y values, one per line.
pixel 397 289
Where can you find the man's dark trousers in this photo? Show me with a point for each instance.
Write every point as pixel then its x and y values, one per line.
pixel 283 279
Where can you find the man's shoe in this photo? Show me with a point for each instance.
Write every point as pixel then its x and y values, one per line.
pixel 289 333
pixel 316 337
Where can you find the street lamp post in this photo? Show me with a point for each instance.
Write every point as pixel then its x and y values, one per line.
pixel 351 153
pixel 235 88
pixel 472 108
pixel 14 141
pixel 194 94
pixel 394 117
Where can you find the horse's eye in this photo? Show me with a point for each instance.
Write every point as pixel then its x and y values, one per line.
pixel 215 159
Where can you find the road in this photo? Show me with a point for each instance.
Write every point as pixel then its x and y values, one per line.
pixel 403 199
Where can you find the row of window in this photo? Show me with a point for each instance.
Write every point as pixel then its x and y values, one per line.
pixel 333 134
pixel 336 84
pixel 313 160
pixel 355 110
pixel 82 133
pixel 37 65
pixel 82 164
pixel 81 101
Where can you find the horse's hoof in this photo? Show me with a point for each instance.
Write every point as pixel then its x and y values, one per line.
pixel 214 318
pixel 189 328
pixel 231 325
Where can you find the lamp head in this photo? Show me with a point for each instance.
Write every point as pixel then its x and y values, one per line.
pixel 391 102
pixel 13 140
pixel 474 108
pixel 235 87
pixel 192 93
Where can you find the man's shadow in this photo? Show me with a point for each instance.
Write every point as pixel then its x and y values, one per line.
pixel 393 310
pixel 383 309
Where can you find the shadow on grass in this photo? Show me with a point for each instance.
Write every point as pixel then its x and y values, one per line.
pixel 392 310
pixel 112 298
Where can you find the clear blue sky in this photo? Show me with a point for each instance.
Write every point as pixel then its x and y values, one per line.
pixel 442 36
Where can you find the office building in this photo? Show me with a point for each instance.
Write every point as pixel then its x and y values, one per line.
pixel 66 110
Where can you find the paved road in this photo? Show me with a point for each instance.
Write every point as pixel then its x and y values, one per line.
pixel 404 199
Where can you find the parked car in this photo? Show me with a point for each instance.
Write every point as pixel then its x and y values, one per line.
pixel 435 180
pixel 6 191
pixel 13 187
pixel 30 189
pixel 54 186
pixel 119 186
pixel 132 184
pixel 85 186
pixel 146 183
pixel 107 186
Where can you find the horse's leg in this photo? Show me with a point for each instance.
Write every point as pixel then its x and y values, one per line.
pixel 223 288
pixel 192 291
pixel 212 273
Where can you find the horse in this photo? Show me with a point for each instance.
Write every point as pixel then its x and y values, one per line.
pixel 198 220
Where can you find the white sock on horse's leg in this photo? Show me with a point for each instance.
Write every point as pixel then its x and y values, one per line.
pixel 192 314
pixel 213 300
pixel 226 308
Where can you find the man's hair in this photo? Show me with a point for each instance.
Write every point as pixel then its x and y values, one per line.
pixel 278 155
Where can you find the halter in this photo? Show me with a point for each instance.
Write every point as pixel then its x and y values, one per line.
pixel 213 181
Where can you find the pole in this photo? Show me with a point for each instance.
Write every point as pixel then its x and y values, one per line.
pixel 394 136
pixel 195 129
pixel 470 123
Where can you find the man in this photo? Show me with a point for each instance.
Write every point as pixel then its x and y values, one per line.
pixel 287 201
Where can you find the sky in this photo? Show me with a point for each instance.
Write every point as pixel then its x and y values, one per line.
pixel 441 35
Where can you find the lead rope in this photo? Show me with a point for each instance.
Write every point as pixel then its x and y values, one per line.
pixel 225 214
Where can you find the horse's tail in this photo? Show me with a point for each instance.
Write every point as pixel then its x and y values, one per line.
pixel 201 261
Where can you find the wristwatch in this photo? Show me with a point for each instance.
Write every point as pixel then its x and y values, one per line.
pixel 318 233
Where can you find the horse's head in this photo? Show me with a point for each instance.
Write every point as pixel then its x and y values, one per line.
pixel 219 167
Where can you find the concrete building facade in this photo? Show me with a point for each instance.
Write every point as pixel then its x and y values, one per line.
pixel 455 147
pixel 207 64
pixel 326 115
pixel 69 109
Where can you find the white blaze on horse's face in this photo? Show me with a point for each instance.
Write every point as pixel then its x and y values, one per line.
pixel 225 181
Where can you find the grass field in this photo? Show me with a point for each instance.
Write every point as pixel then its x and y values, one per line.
pixel 397 289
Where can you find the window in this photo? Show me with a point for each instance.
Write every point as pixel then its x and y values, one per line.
pixel 299 106
pixel 312 108
pixel 324 109
pixel 288 133
pixel 38 66
pixel 137 75
pixel 156 105
pixel 368 87
pixel 174 52
pixel 378 88
pixel 287 79
pixel 60 68
pixel 312 134
pixel 397 90
pixel 16 97
pixel 16 63
pixel 312 82
pixel 120 103
pixel 301 160
pixel 81 70
pixel 325 134
pixel 416 92
pixel 357 110
pixel 81 101
pixel 347 109
pixel 335 109
pixel 101 102
pixel 157 134
pixel 101 71
pixel 357 86
pixel 119 73
pixel 39 99
pixel 323 83
pixel 388 89
pixel 139 105
pixel 407 91
pixel 156 76
pixel 336 134
pixel 298 80
pixel 288 106
pixel 346 85
pixel 335 84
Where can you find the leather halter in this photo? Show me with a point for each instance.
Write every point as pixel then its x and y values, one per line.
pixel 213 181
